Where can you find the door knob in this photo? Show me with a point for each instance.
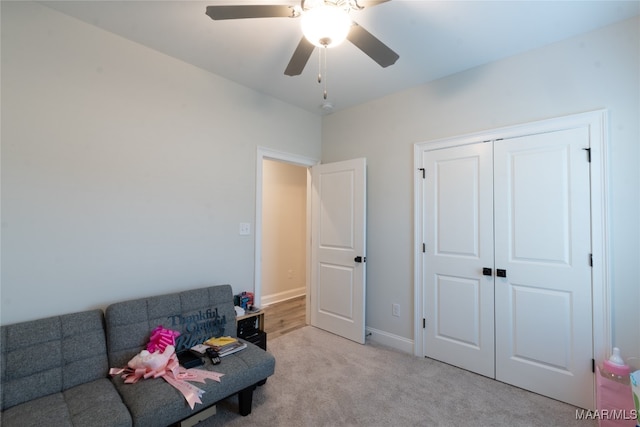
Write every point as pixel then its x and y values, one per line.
pixel 360 259
pixel 487 271
pixel 501 273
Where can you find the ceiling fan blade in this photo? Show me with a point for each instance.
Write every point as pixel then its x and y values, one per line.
pixel 300 57
pixel 249 11
pixel 369 44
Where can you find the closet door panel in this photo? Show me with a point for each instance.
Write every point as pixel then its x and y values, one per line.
pixel 542 242
pixel 459 243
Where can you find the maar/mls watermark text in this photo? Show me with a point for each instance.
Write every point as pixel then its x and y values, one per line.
pixel 606 414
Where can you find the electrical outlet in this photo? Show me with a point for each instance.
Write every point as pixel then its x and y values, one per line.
pixel 395 310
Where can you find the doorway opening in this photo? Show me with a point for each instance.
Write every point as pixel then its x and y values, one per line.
pixel 282 234
pixel 284 222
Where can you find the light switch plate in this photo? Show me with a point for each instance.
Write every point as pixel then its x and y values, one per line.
pixel 245 229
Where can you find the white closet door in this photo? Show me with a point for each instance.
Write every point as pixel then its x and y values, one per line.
pixel 542 234
pixel 459 244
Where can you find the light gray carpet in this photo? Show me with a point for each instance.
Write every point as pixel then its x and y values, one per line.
pixel 324 380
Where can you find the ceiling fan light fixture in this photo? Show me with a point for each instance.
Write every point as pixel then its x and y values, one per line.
pixel 326 25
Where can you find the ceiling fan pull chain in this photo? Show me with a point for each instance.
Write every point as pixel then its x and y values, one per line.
pixel 319 66
pixel 324 93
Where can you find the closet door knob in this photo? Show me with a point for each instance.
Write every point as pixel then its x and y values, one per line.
pixel 501 273
pixel 487 271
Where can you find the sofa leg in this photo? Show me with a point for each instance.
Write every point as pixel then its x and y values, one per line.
pixel 245 398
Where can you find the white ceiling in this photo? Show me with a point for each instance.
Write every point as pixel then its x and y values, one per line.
pixel 433 38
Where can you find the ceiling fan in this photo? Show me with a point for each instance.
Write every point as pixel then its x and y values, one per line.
pixel 333 14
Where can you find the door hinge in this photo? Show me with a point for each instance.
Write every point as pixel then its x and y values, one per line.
pixel 593 365
pixel 588 150
pixel 424 323
pixel 590 260
pixel 423 172
pixel 424 247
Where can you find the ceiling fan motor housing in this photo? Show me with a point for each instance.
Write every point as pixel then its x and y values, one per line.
pixel 326 25
pixel 344 4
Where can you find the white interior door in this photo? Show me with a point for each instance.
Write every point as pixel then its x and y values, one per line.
pixel 338 213
pixel 543 243
pixel 459 244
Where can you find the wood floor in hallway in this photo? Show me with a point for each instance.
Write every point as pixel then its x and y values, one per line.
pixel 283 317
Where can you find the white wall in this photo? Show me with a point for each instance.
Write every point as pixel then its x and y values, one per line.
pixel 598 70
pixel 125 173
pixel 284 231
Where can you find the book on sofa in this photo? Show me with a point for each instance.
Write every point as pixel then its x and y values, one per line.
pixel 233 349
pixel 225 345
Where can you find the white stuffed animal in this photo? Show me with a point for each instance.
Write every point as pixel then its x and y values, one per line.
pixel 152 361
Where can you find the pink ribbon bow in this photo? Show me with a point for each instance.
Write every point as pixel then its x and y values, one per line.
pixel 160 338
pixel 175 375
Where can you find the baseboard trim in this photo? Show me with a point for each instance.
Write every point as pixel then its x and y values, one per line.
pixel 391 340
pixel 282 296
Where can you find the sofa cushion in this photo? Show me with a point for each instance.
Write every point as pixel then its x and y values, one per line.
pixel 47 356
pixel 45 411
pixel 94 404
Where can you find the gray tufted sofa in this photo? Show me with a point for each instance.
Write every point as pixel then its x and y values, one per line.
pixel 54 371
